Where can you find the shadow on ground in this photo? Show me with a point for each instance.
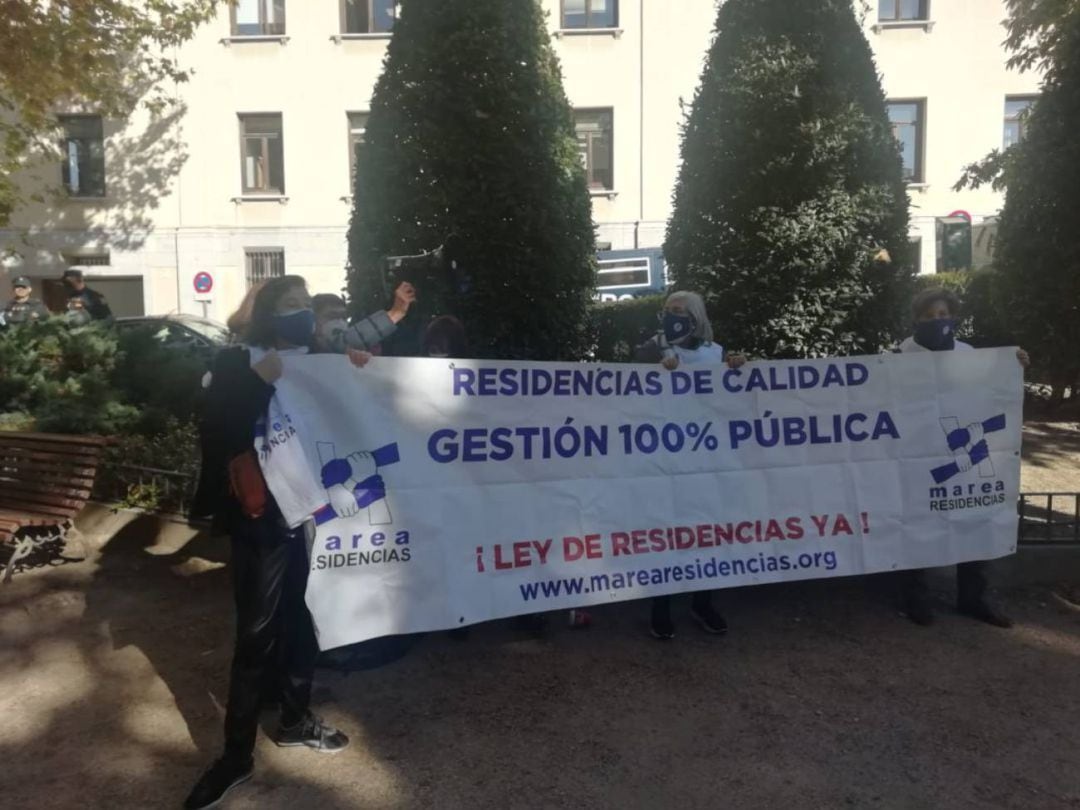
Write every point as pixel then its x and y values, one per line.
pixel 113 672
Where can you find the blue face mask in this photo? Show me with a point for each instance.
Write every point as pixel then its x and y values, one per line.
pixel 938 335
pixel 677 328
pixel 295 328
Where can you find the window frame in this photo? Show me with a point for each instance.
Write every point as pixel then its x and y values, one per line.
pixel 95 193
pixel 351 131
pixel 1020 118
pixel 265 28
pixel 610 112
pixel 269 191
pixel 588 18
pixel 896 19
pixel 371 31
pixel 919 175
pixel 270 253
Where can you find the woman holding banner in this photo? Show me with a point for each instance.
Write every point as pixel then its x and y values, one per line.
pixel 935 313
pixel 685 338
pixel 275 640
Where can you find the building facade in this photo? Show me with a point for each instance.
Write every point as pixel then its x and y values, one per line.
pixel 183 212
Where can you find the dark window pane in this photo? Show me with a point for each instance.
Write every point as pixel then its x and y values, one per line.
pixel 574 14
pixel 602 13
pixel 907 131
pixel 383 14
pixel 356 16
pixel 83 156
pixel 277 165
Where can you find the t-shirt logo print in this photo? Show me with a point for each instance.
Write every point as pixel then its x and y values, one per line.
pixel 968 447
pixel 353 482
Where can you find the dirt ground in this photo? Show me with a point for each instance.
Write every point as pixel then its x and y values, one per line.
pixel 113 673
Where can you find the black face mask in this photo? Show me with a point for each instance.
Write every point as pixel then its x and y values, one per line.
pixel 938 335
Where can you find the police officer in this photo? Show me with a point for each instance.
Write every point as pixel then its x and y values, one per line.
pixel 22 308
pixel 81 297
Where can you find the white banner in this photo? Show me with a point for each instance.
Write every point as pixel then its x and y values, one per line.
pixel 454 492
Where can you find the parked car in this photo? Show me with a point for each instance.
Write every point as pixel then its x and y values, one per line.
pixel 183 332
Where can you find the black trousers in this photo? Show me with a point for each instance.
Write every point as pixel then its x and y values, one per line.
pixel 699 600
pixel 971 583
pixel 275 640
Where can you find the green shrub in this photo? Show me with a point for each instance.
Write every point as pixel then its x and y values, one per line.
pixel 471 142
pixel 791 185
pixel 621 326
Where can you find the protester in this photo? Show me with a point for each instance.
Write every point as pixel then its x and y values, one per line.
pixel 686 338
pixel 22 308
pixel 935 313
pixel 445 337
pixel 335 333
pixel 275 640
pixel 81 297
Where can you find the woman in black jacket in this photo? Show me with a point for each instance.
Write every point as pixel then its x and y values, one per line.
pixel 275 640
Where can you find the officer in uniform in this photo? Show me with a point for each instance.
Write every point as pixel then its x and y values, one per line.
pixel 81 297
pixel 22 308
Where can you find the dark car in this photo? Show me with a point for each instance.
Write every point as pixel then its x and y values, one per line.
pixel 201 336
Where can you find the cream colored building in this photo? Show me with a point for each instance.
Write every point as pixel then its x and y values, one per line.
pixel 288 82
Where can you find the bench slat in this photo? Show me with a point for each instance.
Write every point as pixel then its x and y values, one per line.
pixel 52 454
pixel 32 487
pixel 56 438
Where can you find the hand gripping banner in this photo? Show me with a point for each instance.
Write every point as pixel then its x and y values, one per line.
pixel 451 492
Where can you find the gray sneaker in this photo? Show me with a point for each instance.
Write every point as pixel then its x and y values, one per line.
pixel 315 734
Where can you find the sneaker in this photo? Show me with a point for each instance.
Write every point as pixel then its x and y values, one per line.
pixel 314 733
pixel 661 625
pixel 920 612
pixel 219 779
pixel 983 612
pixel 709 620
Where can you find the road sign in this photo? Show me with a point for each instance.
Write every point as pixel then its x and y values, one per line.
pixel 204 282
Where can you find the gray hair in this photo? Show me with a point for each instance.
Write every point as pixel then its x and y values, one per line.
pixel 695 306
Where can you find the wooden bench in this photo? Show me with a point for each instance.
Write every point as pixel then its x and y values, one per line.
pixel 45 481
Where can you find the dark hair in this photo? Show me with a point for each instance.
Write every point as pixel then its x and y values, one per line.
pixel 239 320
pixel 324 301
pixel 446 333
pixel 260 329
pixel 924 300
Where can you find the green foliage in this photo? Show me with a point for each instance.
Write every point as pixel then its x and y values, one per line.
pixel 1038 249
pixel 106 54
pixel 89 380
pixel 791 186
pixel 174 448
pixel 471 138
pixel 622 326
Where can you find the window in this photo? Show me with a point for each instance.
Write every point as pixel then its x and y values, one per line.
pixel 622 273
pixel 590 13
pixel 87 259
pixel 83 150
pixel 595 145
pixel 357 130
pixel 903 10
pixel 258 18
pixel 907 125
pixel 263 263
pixel 262 154
pixel 368 16
pixel 916 254
pixel 1016 118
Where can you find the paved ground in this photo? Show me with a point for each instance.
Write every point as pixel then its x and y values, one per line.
pixel 112 674
pixel 113 670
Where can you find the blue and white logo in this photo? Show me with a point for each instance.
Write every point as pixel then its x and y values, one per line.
pixel 968 447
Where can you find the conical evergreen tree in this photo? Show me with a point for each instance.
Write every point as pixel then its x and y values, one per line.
pixel 471 141
pixel 791 185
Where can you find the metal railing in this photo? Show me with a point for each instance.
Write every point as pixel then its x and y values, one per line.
pixel 1049 518
pixel 148 487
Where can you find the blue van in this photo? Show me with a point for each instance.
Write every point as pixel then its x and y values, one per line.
pixel 624 274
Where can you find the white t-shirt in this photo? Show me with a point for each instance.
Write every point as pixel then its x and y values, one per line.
pixel 909 345
pixel 705 353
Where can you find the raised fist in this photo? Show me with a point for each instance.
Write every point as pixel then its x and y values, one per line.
pixel 975 433
pixel 963 462
pixel 343 500
pixel 363 466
